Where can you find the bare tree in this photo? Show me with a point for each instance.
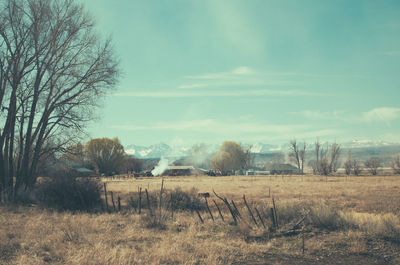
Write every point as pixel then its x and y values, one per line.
pixel 357 168
pixel 372 165
pixel 320 158
pixel 324 166
pixel 53 69
pixel 395 164
pixel 317 154
pixel 348 164
pixel 327 159
pixel 334 154
pixel 297 154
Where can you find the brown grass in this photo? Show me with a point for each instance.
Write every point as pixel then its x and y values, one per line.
pixel 362 211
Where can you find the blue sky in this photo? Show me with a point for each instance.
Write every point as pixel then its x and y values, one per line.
pixel 251 71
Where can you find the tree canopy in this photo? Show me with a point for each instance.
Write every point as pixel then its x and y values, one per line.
pixel 230 157
pixel 105 154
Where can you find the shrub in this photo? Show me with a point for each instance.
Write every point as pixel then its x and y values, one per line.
pixel 155 220
pixel 65 191
pixel 178 199
pixel 322 216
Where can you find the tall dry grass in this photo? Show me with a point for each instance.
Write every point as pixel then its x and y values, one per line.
pixel 346 219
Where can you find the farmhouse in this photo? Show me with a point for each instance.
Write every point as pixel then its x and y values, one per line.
pixel 182 171
pixel 67 165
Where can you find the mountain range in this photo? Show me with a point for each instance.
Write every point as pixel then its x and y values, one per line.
pixel 361 147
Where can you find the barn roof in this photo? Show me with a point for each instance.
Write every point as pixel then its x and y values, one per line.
pixel 287 167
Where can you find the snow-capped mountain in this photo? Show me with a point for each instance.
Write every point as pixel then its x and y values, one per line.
pixel 260 148
pixel 156 151
pixel 178 151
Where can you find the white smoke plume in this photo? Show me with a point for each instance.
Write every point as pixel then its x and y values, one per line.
pixel 161 167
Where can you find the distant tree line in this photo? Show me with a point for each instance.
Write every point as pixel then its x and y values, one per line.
pixel 104 155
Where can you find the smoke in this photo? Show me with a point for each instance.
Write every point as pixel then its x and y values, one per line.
pixel 161 167
pixel 199 156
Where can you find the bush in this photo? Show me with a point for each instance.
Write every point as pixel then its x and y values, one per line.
pixel 68 192
pixel 177 200
pixel 324 217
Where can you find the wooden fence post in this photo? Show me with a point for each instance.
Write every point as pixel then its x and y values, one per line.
pixel 259 217
pixel 302 239
pixel 208 208
pixel 148 202
pixel 248 208
pixel 219 211
pixel 275 215
pixel 236 209
pixel 273 218
pixel 229 207
pixel 112 199
pixel 119 203
pixel 140 200
pixel 198 214
pixel 105 195
pixel 161 192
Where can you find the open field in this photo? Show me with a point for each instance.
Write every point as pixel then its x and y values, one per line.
pixel 376 194
pixel 351 220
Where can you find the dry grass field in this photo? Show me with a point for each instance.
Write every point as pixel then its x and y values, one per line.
pixel 354 220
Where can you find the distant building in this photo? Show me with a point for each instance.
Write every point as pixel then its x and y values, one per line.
pixel 286 169
pixel 58 166
pixel 183 171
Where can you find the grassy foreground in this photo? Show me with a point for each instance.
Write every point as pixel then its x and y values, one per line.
pixel 348 221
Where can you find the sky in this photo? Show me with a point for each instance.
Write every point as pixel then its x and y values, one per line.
pixel 251 71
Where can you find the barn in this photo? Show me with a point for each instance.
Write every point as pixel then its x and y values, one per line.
pixel 287 169
pixel 182 171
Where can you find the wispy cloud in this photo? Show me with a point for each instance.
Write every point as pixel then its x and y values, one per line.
pixel 191 86
pixel 211 125
pixel 383 114
pixel 213 93
pixel 316 114
pixel 238 72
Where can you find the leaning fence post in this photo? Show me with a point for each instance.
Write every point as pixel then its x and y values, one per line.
pixel 230 210
pixel 248 208
pixel 259 217
pixel 208 208
pixel 198 214
pixel 105 195
pixel 229 207
pixel 219 211
pixel 236 209
pixel 140 200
